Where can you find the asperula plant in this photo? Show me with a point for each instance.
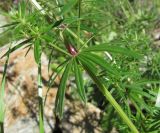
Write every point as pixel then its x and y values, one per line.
pixel 80 34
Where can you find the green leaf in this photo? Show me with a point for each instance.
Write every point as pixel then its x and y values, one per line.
pixel 110 98
pixel 58 70
pixel 90 64
pixel 17 47
pixel 141 103
pixel 57 23
pixel 2 91
pixel 79 82
pixel 48 38
pixel 101 62
pixel 53 77
pixel 22 8
pixel 30 47
pixel 7 25
pixel 114 49
pixel 59 105
pixel 144 82
pixel 37 51
pixel 67 7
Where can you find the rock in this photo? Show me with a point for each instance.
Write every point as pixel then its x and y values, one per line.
pixel 22 101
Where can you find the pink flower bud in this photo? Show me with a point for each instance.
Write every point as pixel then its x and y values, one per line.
pixel 71 49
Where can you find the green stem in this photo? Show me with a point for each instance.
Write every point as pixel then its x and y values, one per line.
pixel 75 36
pixel 109 97
pixel 2 94
pixel 59 49
pixel 1 127
pixel 84 45
pixel 79 21
pixel 40 98
pixel 38 7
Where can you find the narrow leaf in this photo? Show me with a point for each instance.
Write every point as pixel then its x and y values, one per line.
pixel 61 91
pixel 7 25
pixel 110 98
pixel 114 49
pixel 28 50
pixel 17 47
pixel 79 82
pixel 53 77
pixel 57 23
pixel 59 67
pixel 101 62
pixel 2 91
pixel 90 64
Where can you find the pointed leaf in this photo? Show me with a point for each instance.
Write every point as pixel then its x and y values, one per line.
pixel 79 82
pixel 22 9
pixel 61 91
pixel 144 82
pixel 53 77
pixel 2 89
pixel 48 38
pixel 30 46
pixel 58 69
pixel 101 62
pixel 90 64
pixel 17 47
pixel 57 23
pixel 114 49
pixel 110 98
pixel 7 25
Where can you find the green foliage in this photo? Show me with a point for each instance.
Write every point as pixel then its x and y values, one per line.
pixel 79 82
pixel 68 6
pixel 111 41
pixel 61 91
pixel 2 95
